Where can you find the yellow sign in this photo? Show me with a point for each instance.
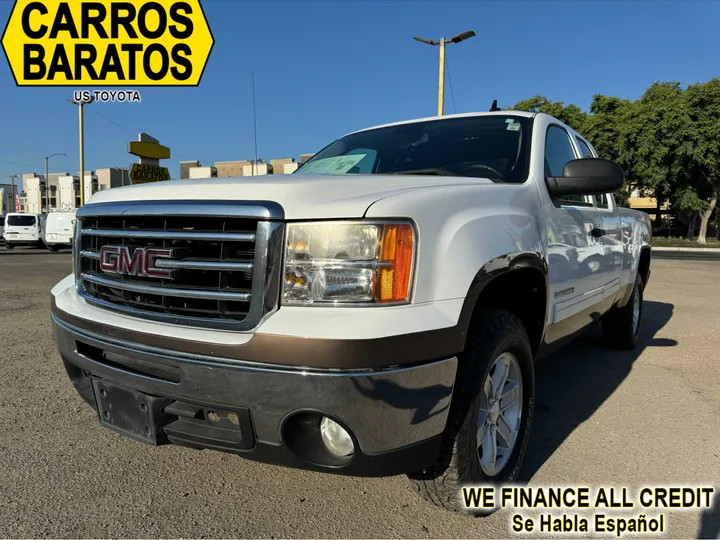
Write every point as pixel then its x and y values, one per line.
pixel 148 150
pixel 142 174
pixel 107 43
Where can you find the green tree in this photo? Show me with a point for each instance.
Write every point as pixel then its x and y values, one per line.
pixel 657 125
pixel 571 115
pixel 606 128
pixel 701 148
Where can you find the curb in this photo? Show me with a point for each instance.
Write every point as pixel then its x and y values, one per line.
pixel 688 254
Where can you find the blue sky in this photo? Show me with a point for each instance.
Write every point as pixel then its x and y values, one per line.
pixel 326 68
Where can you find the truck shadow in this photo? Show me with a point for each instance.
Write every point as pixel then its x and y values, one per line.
pixel 710 519
pixel 573 383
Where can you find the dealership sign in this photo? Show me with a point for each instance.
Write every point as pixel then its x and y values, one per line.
pixel 142 174
pixel 107 42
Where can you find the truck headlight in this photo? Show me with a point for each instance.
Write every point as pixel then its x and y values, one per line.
pixel 349 262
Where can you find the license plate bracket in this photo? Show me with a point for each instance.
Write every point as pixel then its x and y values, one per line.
pixel 130 413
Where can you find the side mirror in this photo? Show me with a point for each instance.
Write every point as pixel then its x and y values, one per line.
pixel 586 176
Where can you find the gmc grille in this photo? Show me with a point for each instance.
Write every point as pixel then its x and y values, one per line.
pixel 225 265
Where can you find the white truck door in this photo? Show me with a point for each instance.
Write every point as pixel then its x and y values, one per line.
pixel 576 258
pixel 606 222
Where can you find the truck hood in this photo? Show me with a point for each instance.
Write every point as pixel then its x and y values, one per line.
pixel 302 196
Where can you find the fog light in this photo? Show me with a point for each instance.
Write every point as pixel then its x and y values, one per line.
pixel 337 440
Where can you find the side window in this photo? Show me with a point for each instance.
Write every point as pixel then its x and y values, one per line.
pixel 602 201
pixel 584 148
pixel 558 151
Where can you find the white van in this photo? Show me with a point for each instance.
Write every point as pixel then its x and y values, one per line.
pixel 58 230
pixel 22 230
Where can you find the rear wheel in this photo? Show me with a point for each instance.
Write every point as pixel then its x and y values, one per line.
pixel 9 246
pixel 53 248
pixel 621 327
pixel 490 417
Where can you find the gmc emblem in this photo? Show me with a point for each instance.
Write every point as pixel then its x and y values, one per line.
pixel 140 262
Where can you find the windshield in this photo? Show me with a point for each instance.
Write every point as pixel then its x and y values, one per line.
pixel 493 146
pixel 20 221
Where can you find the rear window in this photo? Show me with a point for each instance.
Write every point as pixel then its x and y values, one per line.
pixel 20 221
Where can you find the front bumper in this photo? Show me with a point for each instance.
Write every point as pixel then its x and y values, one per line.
pixel 395 416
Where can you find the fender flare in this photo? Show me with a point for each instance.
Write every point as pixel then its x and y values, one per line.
pixel 495 268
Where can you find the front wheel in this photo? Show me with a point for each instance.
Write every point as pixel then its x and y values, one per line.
pixel 53 248
pixel 9 246
pixel 490 417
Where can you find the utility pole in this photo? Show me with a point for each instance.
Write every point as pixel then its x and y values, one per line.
pixel 12 178
pixel 80 105
pixel 47 180
pixel 255 126
pixel 441 82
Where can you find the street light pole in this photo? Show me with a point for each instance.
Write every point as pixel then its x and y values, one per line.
pixel 441 82
pixel 47 180
pixel 81 104
pixel 12 178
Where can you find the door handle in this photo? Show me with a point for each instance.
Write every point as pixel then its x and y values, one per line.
pixel 597 233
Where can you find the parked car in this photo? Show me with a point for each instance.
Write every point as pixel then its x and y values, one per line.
pixel 377 312
pixel 58 230
pixel 22 230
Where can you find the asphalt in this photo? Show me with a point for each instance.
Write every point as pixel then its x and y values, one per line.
pixel 603 418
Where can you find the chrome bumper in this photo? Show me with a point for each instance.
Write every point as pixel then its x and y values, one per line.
pixel 385 410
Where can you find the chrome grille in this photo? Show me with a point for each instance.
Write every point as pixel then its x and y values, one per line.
pixel 225 265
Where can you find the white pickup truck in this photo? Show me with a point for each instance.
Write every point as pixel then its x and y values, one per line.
pixel 377 312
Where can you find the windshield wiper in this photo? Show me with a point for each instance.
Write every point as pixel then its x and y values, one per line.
pixel 434 172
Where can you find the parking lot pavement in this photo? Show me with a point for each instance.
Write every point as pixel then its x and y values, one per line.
pixel 603 418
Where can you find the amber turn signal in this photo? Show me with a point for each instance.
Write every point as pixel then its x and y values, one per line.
pixel 396 258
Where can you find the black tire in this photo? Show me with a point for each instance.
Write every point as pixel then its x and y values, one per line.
pixel 618 327
pixel 493 332
pixel 53 248
pixel 9 246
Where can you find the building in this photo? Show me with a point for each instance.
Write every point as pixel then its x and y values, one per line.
pixel 112 177
pixel 68 192
pixel 90 185
pixel 231 168
pixel 31 199
pixel 255 169
pixel 6 198
pixel 202 172
pixel 62 190
pixel 277 166
pixel 185 167
pixel 638 201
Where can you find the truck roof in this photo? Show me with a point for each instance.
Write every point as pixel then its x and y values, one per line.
pixel 445 117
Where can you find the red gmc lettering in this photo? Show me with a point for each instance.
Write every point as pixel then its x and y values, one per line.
pixel 150 255
pixel 141 262
pixel 131 265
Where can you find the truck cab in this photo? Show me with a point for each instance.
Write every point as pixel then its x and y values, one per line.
pixel 377 312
